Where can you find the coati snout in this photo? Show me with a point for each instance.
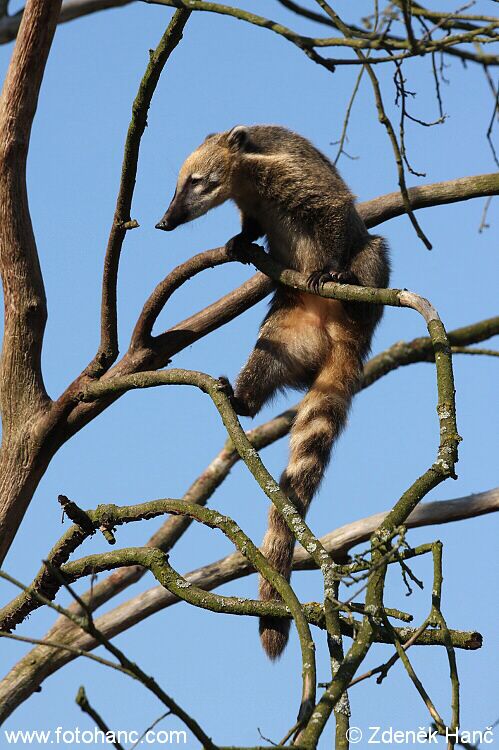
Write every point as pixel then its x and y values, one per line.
pixel 204 182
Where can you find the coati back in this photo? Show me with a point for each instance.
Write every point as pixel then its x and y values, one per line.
pixel 290 192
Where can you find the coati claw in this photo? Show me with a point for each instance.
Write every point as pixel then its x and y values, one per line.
pixel 236 248
pixel 318 278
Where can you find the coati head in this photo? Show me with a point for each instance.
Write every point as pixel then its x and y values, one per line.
pixel 205 178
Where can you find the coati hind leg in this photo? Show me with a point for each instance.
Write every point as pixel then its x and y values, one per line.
pixel 285 355
pixel 320 418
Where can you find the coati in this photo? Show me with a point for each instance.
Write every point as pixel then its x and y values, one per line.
pixel 289 192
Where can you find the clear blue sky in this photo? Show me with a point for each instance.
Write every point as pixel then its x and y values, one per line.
pixel 154 444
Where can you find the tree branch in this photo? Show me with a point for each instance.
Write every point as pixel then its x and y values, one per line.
pixel 22 388
pixel 25 300
pixel 9 25
pixel 354 40
pixel 142 335
pixel 379 210
pixel 29 673
pixel 124 664
pixel 22 392
pixel 85 705
pixel 108 347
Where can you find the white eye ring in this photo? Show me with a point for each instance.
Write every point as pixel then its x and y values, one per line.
pixel 196 178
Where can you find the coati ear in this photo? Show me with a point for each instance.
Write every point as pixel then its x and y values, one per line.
pixel 238 138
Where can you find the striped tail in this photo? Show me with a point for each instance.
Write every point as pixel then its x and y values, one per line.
pixel 320 419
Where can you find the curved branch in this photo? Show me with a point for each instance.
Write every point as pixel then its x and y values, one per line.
pixel 141 337
pixel 155 560
pixel 354 40
pixel 182 590
pixel 73 9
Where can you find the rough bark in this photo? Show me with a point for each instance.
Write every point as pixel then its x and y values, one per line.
pixel 23 397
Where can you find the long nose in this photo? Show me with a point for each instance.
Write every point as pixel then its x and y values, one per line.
pixel 165 224
pixel 169 220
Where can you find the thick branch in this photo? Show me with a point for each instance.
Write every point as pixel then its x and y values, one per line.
pixel 19 474
pixel 22 392
pixel 386 207
pixel 25 305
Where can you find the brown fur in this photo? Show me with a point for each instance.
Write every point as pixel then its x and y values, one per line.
pixel 291 193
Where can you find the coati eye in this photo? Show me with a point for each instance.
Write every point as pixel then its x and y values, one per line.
pixel 204 183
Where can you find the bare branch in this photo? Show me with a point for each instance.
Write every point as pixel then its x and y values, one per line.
pixel 355 38
pixel 124 664
pixel 108 347
pixel 383 118
pixel 9 25
pixel 83 702
pixel 398 355
pixel 37 665
pixel 166 345
pixel 142 334
pixel 22 392
pixel 379 210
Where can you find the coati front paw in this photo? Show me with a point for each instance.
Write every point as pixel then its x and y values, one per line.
pixel 318 278
pixel 236 403
pixel 237 248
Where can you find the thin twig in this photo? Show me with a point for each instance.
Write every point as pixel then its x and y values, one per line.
pixel 83 702
pixel 126 666
pixel 385 121
pixel 346 120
